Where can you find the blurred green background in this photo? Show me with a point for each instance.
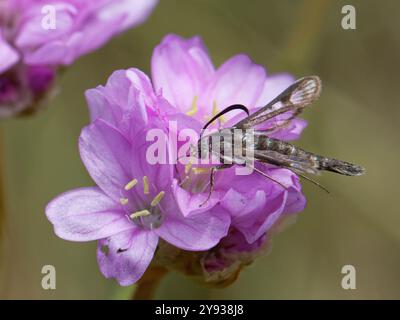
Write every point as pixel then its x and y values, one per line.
pixel 357 119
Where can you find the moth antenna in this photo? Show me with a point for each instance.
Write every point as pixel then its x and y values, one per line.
pixel 267 176
pixel 226 110
pixel 311 180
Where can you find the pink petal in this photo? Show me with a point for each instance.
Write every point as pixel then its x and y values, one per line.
pixel 296 201
pixel 32 33
pixel 238 204
pixel 126 255
pixel 255 202
pixel 257 223
pixel 237 81
pixel 80 29
pixel 129 13
pixel 124 100
pixel 196 232
pixel 142 162
pixel 8 55
pixel 86 214
pixel 292 132
pixel 273 86
pixel 99 106
pixel 109 19
pixel 180 70
pixel 106 155
pixel 192 203
pixel 55 52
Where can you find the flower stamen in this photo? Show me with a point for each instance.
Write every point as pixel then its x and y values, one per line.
pixel 130 184
pixel 157 199
pixel 221 119
pixel 124 201
pixel 188 167
pixel 214 112
pixel 201 170
pixel 138 214
pixel 215 108
pixel 193 109
pixel 145 185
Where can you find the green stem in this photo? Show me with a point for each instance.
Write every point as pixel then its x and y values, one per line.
pixel 147 286
pixel 2 189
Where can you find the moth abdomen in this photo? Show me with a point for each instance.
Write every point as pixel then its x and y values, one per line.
pixel 265 143
pixel 339 166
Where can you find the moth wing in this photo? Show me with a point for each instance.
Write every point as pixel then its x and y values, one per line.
pixel 289 104
pixel 297 164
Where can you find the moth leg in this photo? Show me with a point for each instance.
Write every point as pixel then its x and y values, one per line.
pixel 182 181
pixel 212 180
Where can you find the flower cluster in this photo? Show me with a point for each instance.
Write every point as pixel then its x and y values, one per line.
pixel 37 37
pixel 142 213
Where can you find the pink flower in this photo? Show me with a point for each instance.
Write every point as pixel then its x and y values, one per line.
pixel 183 73
pixel 49 34
pixel 131 207
pixel 189 90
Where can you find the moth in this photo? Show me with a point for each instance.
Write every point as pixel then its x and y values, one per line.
pixel 250 139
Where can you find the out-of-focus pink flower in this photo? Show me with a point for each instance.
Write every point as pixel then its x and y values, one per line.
pixel 53 33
